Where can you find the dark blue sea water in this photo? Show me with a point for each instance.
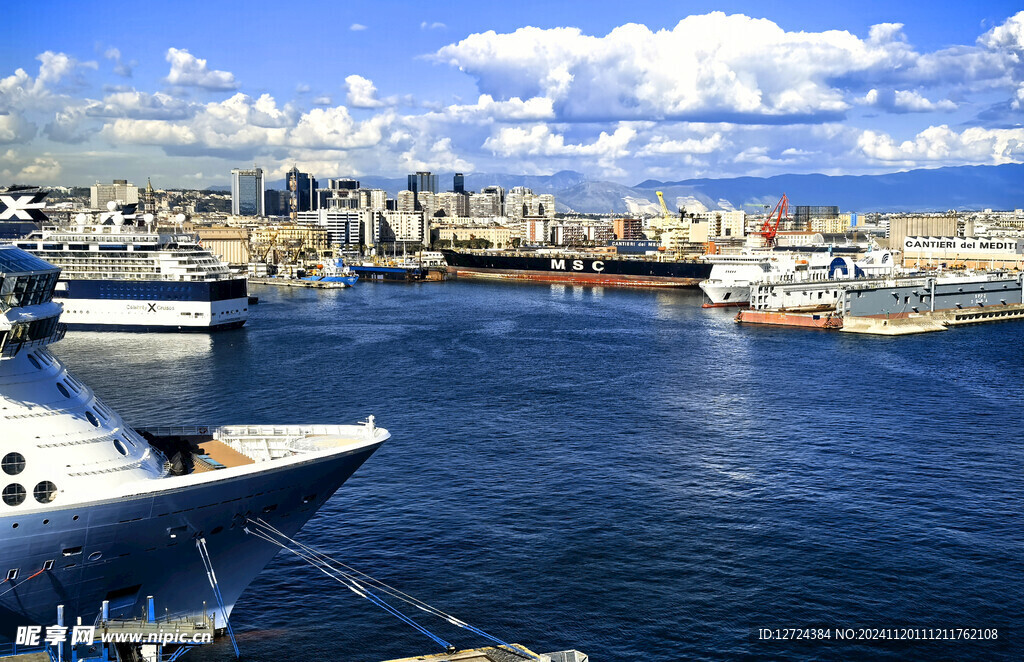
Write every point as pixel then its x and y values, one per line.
pixel 616 471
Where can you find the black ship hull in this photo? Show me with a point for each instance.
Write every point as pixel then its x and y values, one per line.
pixel 611 271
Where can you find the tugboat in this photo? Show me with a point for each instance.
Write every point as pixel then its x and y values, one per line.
pixel 93 510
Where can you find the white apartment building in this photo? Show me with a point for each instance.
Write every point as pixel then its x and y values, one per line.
pixel 486 203
pixel 405 227
pixel 536 230
pixel 521 202
pixel 343 225
pixel 453 204
pixel 723 223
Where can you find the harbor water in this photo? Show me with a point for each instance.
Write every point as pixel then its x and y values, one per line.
pixel 619 472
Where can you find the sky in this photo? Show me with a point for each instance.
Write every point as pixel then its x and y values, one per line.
pixel 182 92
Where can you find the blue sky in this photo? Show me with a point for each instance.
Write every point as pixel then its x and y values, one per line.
pixel 623 91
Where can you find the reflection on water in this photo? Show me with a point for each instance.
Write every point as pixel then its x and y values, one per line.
pixel 184 372
pixel 137 349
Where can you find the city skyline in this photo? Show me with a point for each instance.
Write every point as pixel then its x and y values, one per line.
pixel 91 92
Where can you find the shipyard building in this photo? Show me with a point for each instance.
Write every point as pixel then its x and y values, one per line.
pixel 991 253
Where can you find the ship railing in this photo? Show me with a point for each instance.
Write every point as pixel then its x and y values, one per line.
pixel 263 442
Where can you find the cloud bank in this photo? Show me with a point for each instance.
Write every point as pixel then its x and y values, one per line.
pixel 715 95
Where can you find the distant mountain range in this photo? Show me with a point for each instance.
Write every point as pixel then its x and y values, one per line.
pixel 939 189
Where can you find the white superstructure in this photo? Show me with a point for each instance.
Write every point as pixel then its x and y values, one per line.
pixel 732 276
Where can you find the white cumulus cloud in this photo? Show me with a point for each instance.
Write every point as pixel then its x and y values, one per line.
pixel 362 93
pixel 705 145
pixel 904 101
pixel 188 70
pixel 540 140
pixel 15 129
pixel 940 145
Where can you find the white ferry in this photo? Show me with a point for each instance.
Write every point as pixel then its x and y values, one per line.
pixel 120 273
pixel 732 276
pixel 95 513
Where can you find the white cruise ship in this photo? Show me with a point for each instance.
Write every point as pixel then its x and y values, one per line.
pixel 122 273
pixel 732 275
pixel 93 510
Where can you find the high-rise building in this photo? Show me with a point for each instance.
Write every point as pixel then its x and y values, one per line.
pixel 406 201
pixel 543 205
pixel 301 187
pixel 422 182
pixel 121 192
pixel 521 202
pixel 247 192
pixel 342 184
pixel 516 206
pixel 488 202
pixel 453 203
pixel 426 202
pixel 277 203
pixel 459 183
pixel 373 198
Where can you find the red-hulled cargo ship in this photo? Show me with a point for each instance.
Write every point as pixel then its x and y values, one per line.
pixel 612 270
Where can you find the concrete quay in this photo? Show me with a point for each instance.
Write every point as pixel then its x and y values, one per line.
pixel 927 322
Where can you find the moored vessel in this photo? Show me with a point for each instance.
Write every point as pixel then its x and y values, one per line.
pixel 123 273
pixel 95 510
pixel 335 271
pixel 611 270
pixel 732 276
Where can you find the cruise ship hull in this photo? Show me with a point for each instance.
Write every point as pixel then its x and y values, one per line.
pixel 123 550
pixel 586 270
pixel 116 305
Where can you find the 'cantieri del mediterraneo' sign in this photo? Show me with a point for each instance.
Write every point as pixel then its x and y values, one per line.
pixel 954 245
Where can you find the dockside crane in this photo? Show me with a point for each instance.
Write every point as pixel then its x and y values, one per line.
pixel 665 216
pixel 770 230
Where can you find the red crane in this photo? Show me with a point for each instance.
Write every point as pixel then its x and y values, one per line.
pixel 769 230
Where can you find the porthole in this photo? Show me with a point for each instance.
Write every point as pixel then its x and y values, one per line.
pixel 63 390
pixel 34 361
pixel 96 556
pixel 92 418
pixel 120 447
pixel 14 495
pixel 45 492
pixel 13 464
